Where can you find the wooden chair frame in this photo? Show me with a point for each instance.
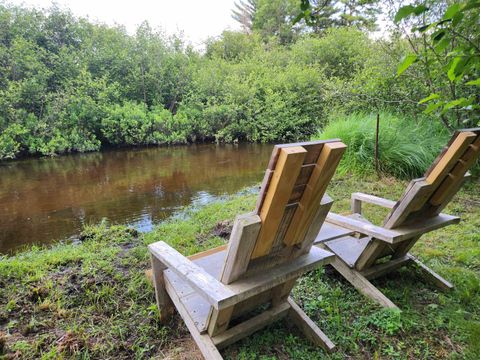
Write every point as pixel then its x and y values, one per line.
pixel 405 236
pixel 359 244
pixel 269 249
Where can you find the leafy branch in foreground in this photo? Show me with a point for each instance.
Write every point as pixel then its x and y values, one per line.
pixel 451 47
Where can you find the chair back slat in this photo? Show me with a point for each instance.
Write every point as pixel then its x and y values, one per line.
pixel 271 213
pixel 289 202
pixel 427 196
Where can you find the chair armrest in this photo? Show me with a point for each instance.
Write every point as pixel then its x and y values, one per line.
pixel 393 236
pixel 205 284
pixel 362 227
pixel 358 198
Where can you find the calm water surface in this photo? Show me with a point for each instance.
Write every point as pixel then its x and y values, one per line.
pixel 46 200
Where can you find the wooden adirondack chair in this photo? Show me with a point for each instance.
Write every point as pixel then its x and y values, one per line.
pixel 215 291
pixel 365 251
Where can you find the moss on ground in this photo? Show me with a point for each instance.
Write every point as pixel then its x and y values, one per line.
pixel 92 300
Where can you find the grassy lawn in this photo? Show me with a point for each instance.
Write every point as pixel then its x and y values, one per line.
pixel 92 300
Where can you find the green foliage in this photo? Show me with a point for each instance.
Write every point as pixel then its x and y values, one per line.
pixel 448 51
pixel 275 18
pixel 406 148
pixel 387 320
pixel 126 124
pixel 67 85
pixel 10 141
pixel 322 14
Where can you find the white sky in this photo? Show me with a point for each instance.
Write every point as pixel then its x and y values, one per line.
pixel 197 19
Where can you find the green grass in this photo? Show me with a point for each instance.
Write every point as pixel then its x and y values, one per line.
pixel 92 300
pixel 406 147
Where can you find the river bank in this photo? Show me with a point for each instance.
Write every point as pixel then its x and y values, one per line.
pixel 92 300
pixel 55 198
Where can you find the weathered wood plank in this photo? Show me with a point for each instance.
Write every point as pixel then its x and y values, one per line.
pixel 263 190
pixel 378 232
pixel 203 341
pixel 207 252
pixel 250 326
pixel 362 284
pixel 413 199
pixel 256 283
pixel 219 320
pixel 149 272
pixel 393 236
pixel 347 248
pixel 424 226
pixel 286 172
pixel 435 210
pixel 164 303
pixel 373 251
pixel 240 247
pixel 308 327
pixel 382 269
pixel 252 304
pixel 431 275
pixel 283 227
pixel 306 145
pixel 447 187
pixel 330 231
pixel 206 285
pixel 404 247
pixel 317 222
pixel 297 193
pixel 448 160
pixel 358 198
pixel 281 292
pixel 322 174
pixel 305 173
pixel 198 308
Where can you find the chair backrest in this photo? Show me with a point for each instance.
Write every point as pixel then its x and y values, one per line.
pixel 427 196
pixel 289 203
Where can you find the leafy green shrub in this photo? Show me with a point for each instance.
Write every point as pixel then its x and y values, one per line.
pixel 10 141
pixel 126 124
pixel 342 52
pixel 99 85
pixel 168 129
pixel 406 147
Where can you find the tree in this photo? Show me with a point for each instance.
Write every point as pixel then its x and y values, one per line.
pixel 322 14
pixel 244 13
pixel 275 18
pixel 447 49
pixel 359 13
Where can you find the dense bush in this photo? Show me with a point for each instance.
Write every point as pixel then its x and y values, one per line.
pixel 68 85
pixel 406 147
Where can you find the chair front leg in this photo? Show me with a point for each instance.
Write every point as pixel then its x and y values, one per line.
pixel 164 303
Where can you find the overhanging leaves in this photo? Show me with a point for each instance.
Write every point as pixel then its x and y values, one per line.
pixel 474 82
pixel 406 63
pixel 428 98
pixel 408 10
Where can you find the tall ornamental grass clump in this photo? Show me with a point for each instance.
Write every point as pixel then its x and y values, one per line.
pixel 407 147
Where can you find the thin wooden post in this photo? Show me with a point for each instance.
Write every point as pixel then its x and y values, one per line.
pixel 376 144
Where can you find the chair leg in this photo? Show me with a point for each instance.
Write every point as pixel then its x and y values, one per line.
pixel 203 341
pixel 308 327
pixel 431 275
pixel 164 303
pixel 361 283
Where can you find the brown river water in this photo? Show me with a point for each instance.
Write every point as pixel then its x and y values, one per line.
pixel 50 199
